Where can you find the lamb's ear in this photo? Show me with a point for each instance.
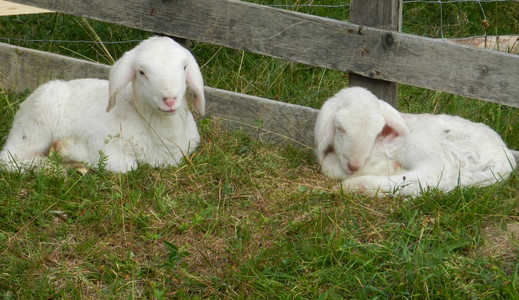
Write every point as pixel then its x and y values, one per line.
pixel 195 83
pixel 324 132
pixel 121 73
pixel 395 131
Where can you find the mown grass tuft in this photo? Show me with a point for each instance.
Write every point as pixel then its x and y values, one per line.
pixel 242 219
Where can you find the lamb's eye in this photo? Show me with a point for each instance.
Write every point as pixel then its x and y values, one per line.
pixel 341 130
pixel 142 73
pixel 185 68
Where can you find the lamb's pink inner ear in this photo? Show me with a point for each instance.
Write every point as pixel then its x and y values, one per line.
pixel 389 134
pixel 199 102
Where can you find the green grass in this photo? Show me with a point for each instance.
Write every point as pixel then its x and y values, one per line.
pixel 249 220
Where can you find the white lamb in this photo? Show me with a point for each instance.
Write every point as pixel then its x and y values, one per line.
pixel 375 149
pixel 147 119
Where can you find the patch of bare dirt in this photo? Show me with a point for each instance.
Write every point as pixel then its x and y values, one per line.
pixel 501 241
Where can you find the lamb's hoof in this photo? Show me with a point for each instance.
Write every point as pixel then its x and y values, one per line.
pixel 349 186
pixel 56 148
pixel 79 167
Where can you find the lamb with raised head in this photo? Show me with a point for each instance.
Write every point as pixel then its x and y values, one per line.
pixel 375 149
pixel 140 115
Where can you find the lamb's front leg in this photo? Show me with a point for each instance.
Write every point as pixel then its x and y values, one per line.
pixel 373 185
pixel 331 167
pixel 116 159
pixel 172 156
pixel 172 153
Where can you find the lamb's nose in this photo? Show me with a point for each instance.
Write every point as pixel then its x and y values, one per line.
pixel 170 101
pixel 353 168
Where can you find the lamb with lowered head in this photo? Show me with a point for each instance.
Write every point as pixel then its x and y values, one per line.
pixel 375 149
pixel 140 115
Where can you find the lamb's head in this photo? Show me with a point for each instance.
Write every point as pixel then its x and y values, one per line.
pixel 356 129
pixel 160 71
pixel 360 122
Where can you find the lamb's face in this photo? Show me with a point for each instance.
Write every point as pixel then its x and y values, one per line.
pixel 160 70
pixel 160 77
pixel 355 135
pixel 162 87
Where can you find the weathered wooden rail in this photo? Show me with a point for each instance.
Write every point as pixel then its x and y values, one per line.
pixel 375 53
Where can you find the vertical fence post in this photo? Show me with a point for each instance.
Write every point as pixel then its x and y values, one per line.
pixel 383 14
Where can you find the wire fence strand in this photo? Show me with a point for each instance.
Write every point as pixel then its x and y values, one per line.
pixel 347 4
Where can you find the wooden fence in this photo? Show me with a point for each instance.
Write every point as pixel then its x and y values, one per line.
pixel 373 53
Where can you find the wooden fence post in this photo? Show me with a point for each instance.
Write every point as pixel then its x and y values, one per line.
pixel 383 14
